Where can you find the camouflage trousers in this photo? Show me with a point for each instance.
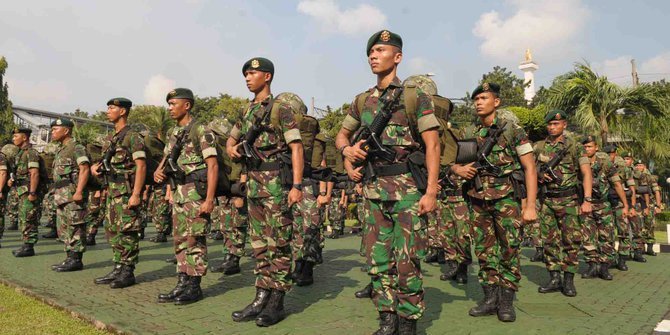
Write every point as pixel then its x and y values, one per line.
pixel 123 230
pixel 29 218
pixel 233 224
pixel 562 233
pixel 323 211
pixel 496 228
pixel 12 207
pixel 336 214
pixel 72 226
pixel 270 232
pixel 622 231
pixel 533 231
pixel 647 232
pixel 637 225
pixel 598 232
pixel 159 210
pixel 50 209
pixel 306 230
pixel 357 212
pixel 3 212
pixel 95 213
pixel 190 238
pixel 456 235
pixel 360 215
pixel 395 242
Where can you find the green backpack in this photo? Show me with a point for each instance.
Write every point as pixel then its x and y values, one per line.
pixel 221 133
pixel 308 125
pixel 153 147
pixel 48 156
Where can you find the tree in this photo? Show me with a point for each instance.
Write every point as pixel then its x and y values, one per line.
pixel 155 118
pixel 511 86
pixel 6 114
pixel 208 108
pixel 78 113
pixel 331 123
pixel 532 120
pixel 86 133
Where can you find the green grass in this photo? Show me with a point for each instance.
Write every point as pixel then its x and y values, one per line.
pixel 21 314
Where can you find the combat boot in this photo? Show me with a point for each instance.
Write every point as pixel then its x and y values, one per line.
pixel 125 278
pixel 297 270
pixel 450 270
pixel 488 305
pixel 273 312
pixel 176 291
pixel 432 256
pixel 621 263
pixel 172 260
pixel 90 240
pixel 159 238
pixel 72 263
pixel 554 284
pixel 26 250
pixel 592 271
pixel 51 234
pixel 388 324
pixel 168 230
pixel 441 256
pixel 192 291
pixel 216 235
pixel 506 312
pixel 142 234
pixel 637 256
pixel 650 249
pixel 108 278
pixel 539 255
pixel 365 292
pixel 13 226
pixel 55 266
pixel 307 277
pixel 569 289
pixel 254 308
pixel 603 272
pixel 462 274
pixel 406 326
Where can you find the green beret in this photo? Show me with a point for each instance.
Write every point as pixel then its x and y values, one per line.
pixel 120 102
pixel 26 131
pixel 180 93
pixel 639 161
pixel 384 37
pixel 259 64
pixel 63 122
pixel 588 139
pixel 625 154
pixel 610 148
pixel 555 115
pixel 485 87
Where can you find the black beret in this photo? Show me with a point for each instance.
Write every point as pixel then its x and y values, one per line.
pixel 555 115
pixel 63 122
pixel 259 64
pixel 384 37
pixel 610 148
pixel 486 87
pixel 26 131
pixel 180 93
pixel 639 161
pixel 588 139
pixel 121 102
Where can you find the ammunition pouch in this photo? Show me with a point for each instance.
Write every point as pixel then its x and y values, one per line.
pixel 116 178
pixel 286 169
pixel 320 174
pixel 466 151
pixel 391 169
pixel 416 162
pixel 518 179
pixel 61 183
pixel 199 179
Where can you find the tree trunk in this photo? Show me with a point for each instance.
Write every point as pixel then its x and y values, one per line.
pixel 604 128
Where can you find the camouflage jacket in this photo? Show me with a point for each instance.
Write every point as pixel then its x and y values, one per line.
pixel 626 175
pixel 568 169
pixel 505 155
pixel 449 152
pixel 642 180
pixel 4 164
pixel 191 157
pixel 123 161
pixel 397 135
pixel 605 174
pixel 27 158
pixel 269 143
pixel 66 167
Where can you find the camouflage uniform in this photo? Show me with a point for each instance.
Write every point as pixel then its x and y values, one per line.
pixel 12 206
pixel 71 223
pixel 159 209
pixel 650 220
pixel 270 224
pixel 4 166
pixel 27 158
pixel 233 223
pixel 396 234
pixel 639 225
pixel 95 214
pixel 48 207
pixel 623 227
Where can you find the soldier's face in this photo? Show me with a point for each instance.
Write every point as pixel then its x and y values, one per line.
pixel 114 113
pixel 629 161
pixel 555 128
pixel 639 167
pixel 590 149
pixel 58 133
pixel 384 58
pixel 178 108
pixel 486 103
pixel 256 80
pixel 18 139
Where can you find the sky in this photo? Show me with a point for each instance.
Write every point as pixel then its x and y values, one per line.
pixel 67 55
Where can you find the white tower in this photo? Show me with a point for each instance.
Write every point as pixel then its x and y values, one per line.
pixel 528 67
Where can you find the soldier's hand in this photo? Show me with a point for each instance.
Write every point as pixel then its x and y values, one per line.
pixel 322 200
pixel 95 169
pixel 343 202
pixel 646 211
pixel 77 197
pixel 206 208
pixel 624 211
pixel 529 214
pixel 238 202
pixel 586 208
pixel 32 197
pixel 427 204
pixel 233 152
pixel 657 210
pixel 159 175
pixel 134 201
pixel 294 196
pixel 354 174
pixel 632 212
pixel 10 182
pixel 2 195
pixel 354 153
pixel 465 171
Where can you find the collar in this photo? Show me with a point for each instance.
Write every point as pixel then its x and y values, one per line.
pixel 561 139
pixel 395 83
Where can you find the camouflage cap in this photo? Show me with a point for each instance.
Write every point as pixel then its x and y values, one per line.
pixel 23 130
pixel 555 115
pixel 120 102
pixel 10 150
pixel 423 82
pixel 63 122
pixel 486 87
pixel 180 93
pixel 588 139
pixel 259 64
pixel 292 100
pixel 384 37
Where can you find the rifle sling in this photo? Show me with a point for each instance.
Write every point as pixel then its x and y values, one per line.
pixel 561 193
pixel 391 169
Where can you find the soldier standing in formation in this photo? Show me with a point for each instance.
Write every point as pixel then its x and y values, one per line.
pixel 622 222
pixel 4 177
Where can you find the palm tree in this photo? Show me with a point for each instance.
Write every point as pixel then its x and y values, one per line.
pixel 594 100
pixel 155 118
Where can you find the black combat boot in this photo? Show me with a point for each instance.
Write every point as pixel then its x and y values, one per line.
pixel 142 234
pixel 637 256
pixel 254 308
pixel 603 272
pixel 621 263
pixel 554 284
pixel 592 271
pixel 506 312
pixel 168 230
pixel 539 255
pixel 26 250
pixel 365 292
pixel 176 291
pixel 273 312
pixel 216 235
pixel 462 273
pixel 125 278
pixel 172 260
pixel 108 278
pixel 488 305
pixel 13 226
pixel 336 233
pixel 650 249
pixel 441 256
pixel 192 291
pixel 159 238
pixel 569 289
pixel 90 240
pixel 307 277
pixel 450 269
pixel 388 324
pixel 55 266
pixel 72 263
pixel 297 270
pixel 406 326
pixel 431 257
pixel 51 234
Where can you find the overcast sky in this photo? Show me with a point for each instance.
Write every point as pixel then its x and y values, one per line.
pixel 65 55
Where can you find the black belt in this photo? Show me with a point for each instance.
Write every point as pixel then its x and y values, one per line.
pixel 22 182
pixel 116 178
pixel 61 183
pixel 391 170
pixel 265 166
pixel 560 194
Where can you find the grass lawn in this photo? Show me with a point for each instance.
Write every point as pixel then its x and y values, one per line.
pixel 21 314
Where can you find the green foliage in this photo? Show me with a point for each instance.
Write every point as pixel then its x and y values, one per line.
pixel 78 113
pixel 332 122
pixel 663 216
pixel 208 108
pixel 511 86
pixel 532 120
pixel 155 118
pixel 6 114
pixel 86 133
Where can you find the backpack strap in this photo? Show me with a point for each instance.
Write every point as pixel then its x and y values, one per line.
pixel 410 111
pixel 360 100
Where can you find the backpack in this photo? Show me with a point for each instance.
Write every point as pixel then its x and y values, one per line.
pixel 307 124
pixel 221 133
pixel 48 156
pixel 153 148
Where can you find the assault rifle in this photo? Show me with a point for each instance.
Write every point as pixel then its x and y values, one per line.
pixel 548 169
pixel 172 170
pixel 481 162
pixel 246 148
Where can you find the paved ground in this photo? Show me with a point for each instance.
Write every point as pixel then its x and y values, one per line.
pixel 631 304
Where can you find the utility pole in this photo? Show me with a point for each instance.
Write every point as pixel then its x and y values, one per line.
pixel 636 79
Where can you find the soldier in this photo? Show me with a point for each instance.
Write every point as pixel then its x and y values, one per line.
pixel 493 194
pixel 4 177
pixel 395 207
pixel 560 208
pixel 12 200
pixel 622 222
pixel 599 224
pixel 125 157
pixel 644 191
pixel 70 176
pixel 95 214
pixel 657 207
pixel 337 208
pixel 159 211
pixel 28 190
pixel 48 205
pixel 269 199
pixel 649 213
